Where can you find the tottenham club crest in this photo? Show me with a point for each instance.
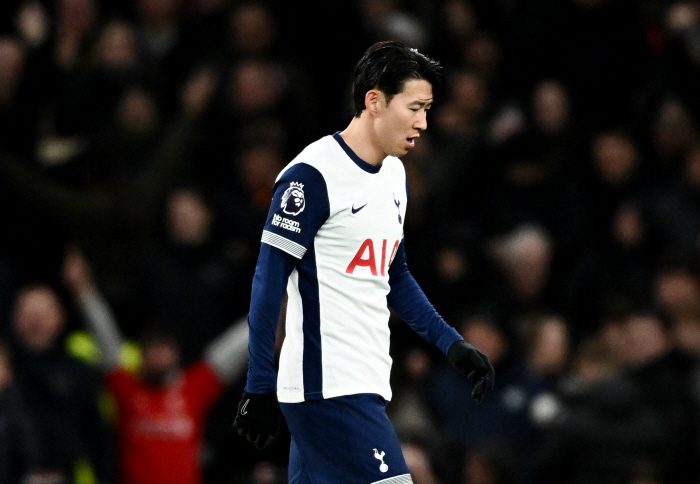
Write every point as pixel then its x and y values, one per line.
pixel 293 201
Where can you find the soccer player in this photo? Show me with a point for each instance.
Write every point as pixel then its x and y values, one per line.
pixel 333 241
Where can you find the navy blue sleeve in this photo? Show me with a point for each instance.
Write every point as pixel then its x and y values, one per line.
pixel 299 207
pixel 269 286
pixel 409 301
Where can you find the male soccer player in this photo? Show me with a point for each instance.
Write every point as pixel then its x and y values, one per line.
pixel 334 242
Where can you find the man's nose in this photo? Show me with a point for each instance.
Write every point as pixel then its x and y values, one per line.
pixel 422 122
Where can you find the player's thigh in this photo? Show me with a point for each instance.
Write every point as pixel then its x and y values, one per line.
pixel 297 471
pixel 346 440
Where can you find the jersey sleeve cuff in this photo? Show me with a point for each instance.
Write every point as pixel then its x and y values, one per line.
pixel 283 244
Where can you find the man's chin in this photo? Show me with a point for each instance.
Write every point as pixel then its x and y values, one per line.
pixel 399 152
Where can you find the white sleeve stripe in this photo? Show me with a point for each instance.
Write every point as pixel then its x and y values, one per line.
pixel 286 245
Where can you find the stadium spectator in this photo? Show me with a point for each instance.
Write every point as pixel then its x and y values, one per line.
pixel 525 256
pixel 114 215
pixel 672 133
pixel 662 373
pixel 161 410
pixel 673 206
pixel 61 392
pixel 76 21
pixel 545 341
pixel 17 112
pixel 264 83
pixel 618 173
pixel 159 33
pixel 382 19
pixel 676 282
pixel 192 276
pixel 89 88
pixel 458 133
pixel 254 32
pixel 679 24
pixel 554 126
pixel 244 188
pixel 617 249
pixel 503 421
pixel 20 446
pixel 606 429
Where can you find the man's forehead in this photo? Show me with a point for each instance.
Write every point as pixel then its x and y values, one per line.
pixel 418 89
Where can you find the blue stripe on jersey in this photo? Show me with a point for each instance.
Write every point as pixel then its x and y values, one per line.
pixel 358 161
pixel 411 304
pixel 308 288
pixel 286 236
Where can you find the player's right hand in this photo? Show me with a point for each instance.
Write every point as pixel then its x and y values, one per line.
pixel 258 418
pixel 475 365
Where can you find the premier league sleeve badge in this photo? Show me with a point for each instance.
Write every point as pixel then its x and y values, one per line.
pixel 293 201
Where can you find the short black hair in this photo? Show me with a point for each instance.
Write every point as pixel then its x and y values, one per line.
pixel 387 65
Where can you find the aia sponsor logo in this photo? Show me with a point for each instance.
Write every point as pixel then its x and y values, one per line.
pixel 366 257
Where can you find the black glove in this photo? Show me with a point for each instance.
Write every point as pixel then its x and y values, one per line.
pixel 258 418
pixel 475 365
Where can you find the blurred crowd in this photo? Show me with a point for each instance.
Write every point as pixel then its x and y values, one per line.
pixel 554 220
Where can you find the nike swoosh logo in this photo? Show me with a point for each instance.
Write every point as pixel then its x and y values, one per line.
pixel 355 210
pixel 244 410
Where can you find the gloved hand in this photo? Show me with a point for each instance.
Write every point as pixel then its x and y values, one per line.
pixel 258 418
pixel 475 365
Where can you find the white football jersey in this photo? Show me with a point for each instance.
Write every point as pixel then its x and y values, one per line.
pixel 343 219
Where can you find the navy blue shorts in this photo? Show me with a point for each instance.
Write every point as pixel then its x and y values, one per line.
pixel 344 440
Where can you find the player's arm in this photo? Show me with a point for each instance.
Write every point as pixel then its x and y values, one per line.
pixel 258 417
pixel 409 301
pixel 299 207
pixel 269 287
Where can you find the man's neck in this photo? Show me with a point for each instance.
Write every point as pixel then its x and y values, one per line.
pixel 361 139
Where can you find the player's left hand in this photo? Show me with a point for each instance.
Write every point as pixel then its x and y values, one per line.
pixel 475 365
pixel 258 418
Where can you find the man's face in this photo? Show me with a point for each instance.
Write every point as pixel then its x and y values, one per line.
pixel 160 362
pixel 399 123
pixel 38 318
pixel 189 219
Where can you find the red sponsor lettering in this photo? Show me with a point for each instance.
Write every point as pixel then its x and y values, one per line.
pixel 383 256
pixel 365 258
pixel 393 252
pixel 359 260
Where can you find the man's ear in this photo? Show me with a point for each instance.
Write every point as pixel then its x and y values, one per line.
pixel 372 100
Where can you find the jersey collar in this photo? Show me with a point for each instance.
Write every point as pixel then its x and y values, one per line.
pixel 369 168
